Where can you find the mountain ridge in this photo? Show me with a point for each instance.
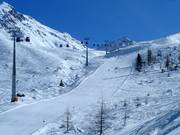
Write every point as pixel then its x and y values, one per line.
pixel 49 57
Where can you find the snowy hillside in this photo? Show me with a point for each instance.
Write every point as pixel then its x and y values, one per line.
pixel 149 100
pixel 48 58
pixel 120 94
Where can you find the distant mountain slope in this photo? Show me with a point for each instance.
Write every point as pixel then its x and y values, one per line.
pixel 126 45
pixel 115 44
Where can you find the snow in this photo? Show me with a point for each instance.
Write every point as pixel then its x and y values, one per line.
pixel 4 7
pixel 115 81
pixel 33 115
pixel 42 64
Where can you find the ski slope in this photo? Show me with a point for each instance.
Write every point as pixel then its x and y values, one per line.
pixel 114 80
pixel 28 118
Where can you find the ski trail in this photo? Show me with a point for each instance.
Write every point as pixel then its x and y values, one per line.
pixel 123 82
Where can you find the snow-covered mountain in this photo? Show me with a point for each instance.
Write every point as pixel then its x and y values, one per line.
pixel 122 42
pixel 170 41
pixel 136 103
pixel 48 58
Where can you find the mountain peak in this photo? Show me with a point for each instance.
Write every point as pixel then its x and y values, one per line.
pixel 5 7
pixel 40 34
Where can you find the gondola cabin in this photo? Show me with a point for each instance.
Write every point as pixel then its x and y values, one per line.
pixel 60 45
pixel 28 39
pixel 19 39
pixel 67 45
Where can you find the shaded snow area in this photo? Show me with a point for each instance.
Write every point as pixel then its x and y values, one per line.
pixel 48 58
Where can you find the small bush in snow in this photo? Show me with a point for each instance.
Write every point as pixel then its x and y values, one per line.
pixel 137 102
pixel 61 83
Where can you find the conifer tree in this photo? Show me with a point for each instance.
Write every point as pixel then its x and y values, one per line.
pixel 138 63
pixel 61 83
pixel 167 64
pixel 101 119
pixel 68 121
pixel 149 57
pixel 125 105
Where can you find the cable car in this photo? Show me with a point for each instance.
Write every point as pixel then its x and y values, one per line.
pixel 18 39
pixel 67 45
pixel 27 39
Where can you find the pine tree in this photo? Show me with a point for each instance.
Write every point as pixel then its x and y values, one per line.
pixel 68 121
pixel 149 57
pixel 159 53
pixel 167 64
pixel 125 105
pixel 101 124
pixel 101 120
pixel 138 63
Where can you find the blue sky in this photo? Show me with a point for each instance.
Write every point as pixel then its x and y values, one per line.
pixel 106 19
